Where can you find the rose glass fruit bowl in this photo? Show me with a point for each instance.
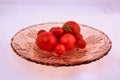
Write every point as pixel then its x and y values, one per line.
pixel 98 45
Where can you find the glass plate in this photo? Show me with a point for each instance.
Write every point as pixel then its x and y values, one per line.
pixel 98 45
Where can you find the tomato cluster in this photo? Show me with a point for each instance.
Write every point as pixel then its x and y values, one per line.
pixel 61 39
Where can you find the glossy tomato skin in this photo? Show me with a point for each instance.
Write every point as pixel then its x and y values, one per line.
pixel 79 36
pixel 69 41
pixel 71 27
pixel 60 49
pixel 40 31
pixel 57 31
pixel 81 43
pixel 46 41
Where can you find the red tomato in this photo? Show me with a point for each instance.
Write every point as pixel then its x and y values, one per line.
pixel 60 49
pixel 79 36
pixel 68 40
pixel 40 31
pixel 71 27
pixel 81 43
pixel 46 41
pixel 57 31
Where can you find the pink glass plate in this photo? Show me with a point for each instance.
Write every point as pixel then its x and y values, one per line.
pixel 98 45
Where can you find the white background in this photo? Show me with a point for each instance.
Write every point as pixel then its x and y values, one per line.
pixel 17 14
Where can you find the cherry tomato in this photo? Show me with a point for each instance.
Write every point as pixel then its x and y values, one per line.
pixel 57 31
pixel 71 27
pixel 60 49
pixel 68 40
pixel 40 31
pixel 79 36
pixel 81 43
pixel 46 41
